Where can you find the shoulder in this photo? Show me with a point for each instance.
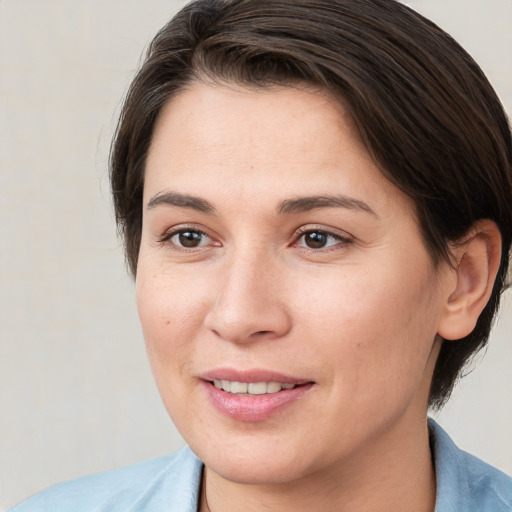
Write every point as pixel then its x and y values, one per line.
pixel 166 483
pixel 489 487
pixel 464 482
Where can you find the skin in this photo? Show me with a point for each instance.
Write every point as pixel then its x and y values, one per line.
pixel 359 317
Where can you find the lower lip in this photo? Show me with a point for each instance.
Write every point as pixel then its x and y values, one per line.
pixel 253 408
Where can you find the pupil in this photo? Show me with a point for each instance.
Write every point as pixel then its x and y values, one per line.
pixel 189 239
pixel 315 240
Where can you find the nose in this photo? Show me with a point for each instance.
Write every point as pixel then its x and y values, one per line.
pixel 249 303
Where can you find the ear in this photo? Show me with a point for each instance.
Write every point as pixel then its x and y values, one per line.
pixel 476 260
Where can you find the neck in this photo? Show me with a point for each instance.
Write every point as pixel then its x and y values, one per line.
pixel 395 474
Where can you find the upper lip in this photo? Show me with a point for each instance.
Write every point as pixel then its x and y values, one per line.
pixel 255 375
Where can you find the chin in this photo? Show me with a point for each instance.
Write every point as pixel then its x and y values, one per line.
pixel 253 459
pixel 256 472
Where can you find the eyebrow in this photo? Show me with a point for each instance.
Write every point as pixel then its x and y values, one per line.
pixel 304 204
pixel 181 200
pixel 288 206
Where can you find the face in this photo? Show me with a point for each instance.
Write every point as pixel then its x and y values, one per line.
pixel 288 303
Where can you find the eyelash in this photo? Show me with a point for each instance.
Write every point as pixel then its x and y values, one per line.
pixel 167 237
pixel 340 240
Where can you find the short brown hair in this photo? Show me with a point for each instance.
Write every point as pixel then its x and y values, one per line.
pixel 424 110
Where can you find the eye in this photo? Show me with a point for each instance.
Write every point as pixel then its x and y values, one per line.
pixel 187 238
pixel 320 239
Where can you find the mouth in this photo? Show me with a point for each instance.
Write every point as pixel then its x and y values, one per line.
pixel 252 388
pixel 253 396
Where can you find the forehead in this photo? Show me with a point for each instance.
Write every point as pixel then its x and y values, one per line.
pixel 213 120
pixel 280 141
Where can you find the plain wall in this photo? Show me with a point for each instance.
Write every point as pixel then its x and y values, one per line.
pixel 76 393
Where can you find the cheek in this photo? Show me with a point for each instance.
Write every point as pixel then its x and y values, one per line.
pixel 364 302
pixel 171 317
pixel 376 328
pixel 171 312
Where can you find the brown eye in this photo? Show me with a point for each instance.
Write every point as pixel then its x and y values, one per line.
pixel 319 239
pixel 189 238
pixel 315 239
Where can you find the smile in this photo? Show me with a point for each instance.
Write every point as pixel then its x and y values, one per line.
pixel 251 388
pixel 254 401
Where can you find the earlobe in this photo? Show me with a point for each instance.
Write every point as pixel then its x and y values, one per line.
pixel 476 263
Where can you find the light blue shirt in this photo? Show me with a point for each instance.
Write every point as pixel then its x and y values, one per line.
pixel 171 484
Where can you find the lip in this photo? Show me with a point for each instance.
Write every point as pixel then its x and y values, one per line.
pixel 251 376
pixel 252 408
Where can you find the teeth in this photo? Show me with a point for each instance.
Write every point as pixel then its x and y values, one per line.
pixel 238 387
pixel 273 387
pixel 251 388
pixel 257 388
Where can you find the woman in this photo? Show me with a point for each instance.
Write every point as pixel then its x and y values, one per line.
pixel 315 201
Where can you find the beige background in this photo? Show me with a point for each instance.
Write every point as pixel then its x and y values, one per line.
pixel 76 394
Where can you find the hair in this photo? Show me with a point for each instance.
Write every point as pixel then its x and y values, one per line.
pixel 423 108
